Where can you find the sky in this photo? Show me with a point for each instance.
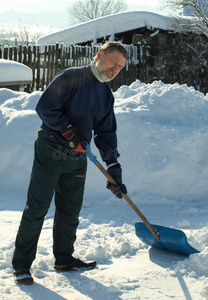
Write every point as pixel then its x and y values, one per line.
pixel 53 13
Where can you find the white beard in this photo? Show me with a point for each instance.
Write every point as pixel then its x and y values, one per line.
pixel 99 73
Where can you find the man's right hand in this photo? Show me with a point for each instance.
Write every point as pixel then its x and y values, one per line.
pixel 75 138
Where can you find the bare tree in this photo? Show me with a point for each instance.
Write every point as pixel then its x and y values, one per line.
pixel 196 9
pixel 85 10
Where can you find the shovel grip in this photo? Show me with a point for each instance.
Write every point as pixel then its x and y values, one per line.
pixel 130 202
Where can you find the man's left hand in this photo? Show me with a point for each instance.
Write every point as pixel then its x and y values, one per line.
pixel 116 173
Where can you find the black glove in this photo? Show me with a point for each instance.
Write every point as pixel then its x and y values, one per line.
pixel 75 138
pixel 115 171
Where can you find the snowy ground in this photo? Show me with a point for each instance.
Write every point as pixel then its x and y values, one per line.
pixel 163 141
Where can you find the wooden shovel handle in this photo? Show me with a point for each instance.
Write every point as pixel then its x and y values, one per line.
pixel 130 202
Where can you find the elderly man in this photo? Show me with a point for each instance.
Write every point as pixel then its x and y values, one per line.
pixel 76 103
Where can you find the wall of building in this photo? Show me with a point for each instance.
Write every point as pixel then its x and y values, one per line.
pixel 173 57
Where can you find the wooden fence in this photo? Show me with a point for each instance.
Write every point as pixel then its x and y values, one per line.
pixel 48 61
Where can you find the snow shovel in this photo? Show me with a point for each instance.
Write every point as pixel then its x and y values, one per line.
pixel 157 236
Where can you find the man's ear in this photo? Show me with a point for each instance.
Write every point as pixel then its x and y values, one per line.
pixel 100 52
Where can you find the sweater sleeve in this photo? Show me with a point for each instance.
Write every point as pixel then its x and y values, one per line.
pixel 105 137
pixel 49 106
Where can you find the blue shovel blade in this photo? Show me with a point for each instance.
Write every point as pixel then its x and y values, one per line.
pixel 173 240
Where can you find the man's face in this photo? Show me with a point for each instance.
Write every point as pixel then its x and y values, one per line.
pixel 109 64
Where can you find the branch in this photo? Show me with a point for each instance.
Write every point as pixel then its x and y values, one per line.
pixel 90 9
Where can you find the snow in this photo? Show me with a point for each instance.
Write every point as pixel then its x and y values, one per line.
pixel 163 141
pixel 12 71
pixel 108 26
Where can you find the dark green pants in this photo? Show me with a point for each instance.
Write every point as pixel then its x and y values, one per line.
pixel 55 169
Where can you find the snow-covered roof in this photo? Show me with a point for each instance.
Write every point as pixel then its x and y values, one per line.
pixel 14 72
pixel 108 26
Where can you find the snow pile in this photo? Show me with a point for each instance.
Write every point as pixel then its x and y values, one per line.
pixel 163 142
pixel 108 26
pixel 19 124
pixel 163 139
pixel 12 71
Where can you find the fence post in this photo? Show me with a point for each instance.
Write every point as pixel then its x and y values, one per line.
pixel 11 53
pixel 44 70
pixel 20 54
pixel 52 62
pixel 30 64
pixel 5 52
pixel 57 57
pixel 25 62
pixel 48 65
pixel 34 66
pixel 63 56
pixel 29 58
pixel 73 56
pixel 38 69
pixel 15 54
pixel 139 60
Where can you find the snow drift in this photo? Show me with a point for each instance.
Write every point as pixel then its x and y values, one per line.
pixel 162 139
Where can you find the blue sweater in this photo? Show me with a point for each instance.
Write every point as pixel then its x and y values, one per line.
pixel 76 97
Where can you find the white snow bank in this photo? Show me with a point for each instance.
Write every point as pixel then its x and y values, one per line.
pixel 162 139
pixel 108 25
pixel 12 71
pixel 19 124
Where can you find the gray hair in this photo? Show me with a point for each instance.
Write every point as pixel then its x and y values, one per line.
pixel 112 46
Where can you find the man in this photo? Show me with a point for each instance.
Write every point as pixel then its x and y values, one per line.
pixel 77 102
